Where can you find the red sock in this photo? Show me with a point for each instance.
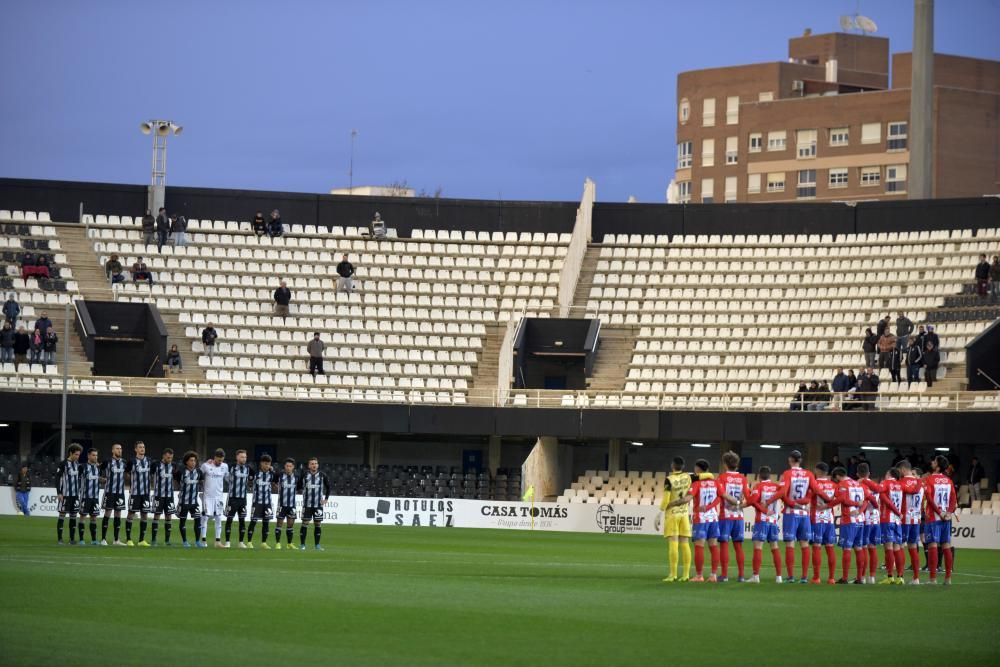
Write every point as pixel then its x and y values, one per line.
pixel 724 558
pixel 872 560
pixel 817 560
pixel 831 559
pixel 932 561
pixel 758 556
pixel 699 558
pixel 790 561
pixel 900 559
pixel 777 561
pixel 805 561
pixel 714 551
pixel 740 558
pixel 890 562
pixel 949 562
pixel 915 561
pixel 862 563
pixel 845 562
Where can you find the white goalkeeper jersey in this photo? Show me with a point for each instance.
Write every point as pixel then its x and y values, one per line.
pixel 215 477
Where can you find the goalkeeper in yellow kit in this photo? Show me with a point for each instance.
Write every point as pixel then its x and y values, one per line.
pixel 677 522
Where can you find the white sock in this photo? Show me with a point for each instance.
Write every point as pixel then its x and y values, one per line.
pixel 218 528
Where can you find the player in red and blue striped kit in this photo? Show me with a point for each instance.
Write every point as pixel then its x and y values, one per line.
pixel 890 501
pixel 764 499
pixel 941 505
pixel 821 517
pixel 731 526
pixel 873 520
pixel 796 494
pixel 913 499
pixel 853 497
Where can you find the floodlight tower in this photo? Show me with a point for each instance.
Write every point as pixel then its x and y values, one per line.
pixel 160 129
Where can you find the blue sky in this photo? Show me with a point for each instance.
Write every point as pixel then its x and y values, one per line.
pixel 517 99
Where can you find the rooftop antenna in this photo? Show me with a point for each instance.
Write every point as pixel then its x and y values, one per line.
pixel 859 22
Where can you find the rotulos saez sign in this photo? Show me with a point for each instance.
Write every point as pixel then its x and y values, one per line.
pixel 968 531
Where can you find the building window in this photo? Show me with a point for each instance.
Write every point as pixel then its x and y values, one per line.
pixel 753 184
pixel 732 110
pixel 871 176
pixel 895 178
pixel 708 152
pixel 805 140
pixel 896 136
pixel 684 111
pixel 730 189
pixel 684 151
pixel 776 140
pixel 765 97
pixel 838 178
pixel 756 142
pixel 684 192
pixel 708 112
pixel 807 184
pixel 871 133
pixel 732 144
pixel 839 136
pixel 707 190
pixel 776 182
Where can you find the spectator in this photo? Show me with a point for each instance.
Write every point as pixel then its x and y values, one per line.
pixel 868 388
pixel 921 336
pixel 840 386
pixel 852 380
pixel 259 224
pixel 274 227
pixel 208 336
pixel 811 395
pixel 976 474
pixel 904 327
pixel 799 398
pixel 914 360
pixel 148 227
pixel 11 310
pixel 822 397
pixel 315 349
pixel 378 227
pixel 345 283
pixel 22 343
pixel 886 344
pixel 27 259
pixel 49 347
pixel 932 359
pixel 140 271
pixel 37 347
pixel 995 277
pixel 162 229
pixel 870 345
pixel 178 229
pixel 852 467
pixel 835 462
pixel 174 360
pixel 982 276
pixel 113 269
pixel 896 363
pixel 883 326
pixel 7 344
pixel 282 297
pixel 932 337
pixel 22 490
pixel 43 323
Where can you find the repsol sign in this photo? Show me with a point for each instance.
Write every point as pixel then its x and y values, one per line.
pixel 968 532
pixel 524 512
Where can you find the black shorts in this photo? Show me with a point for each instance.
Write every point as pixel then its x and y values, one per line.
pixel 114 501
pixel 69 505
pixel 139 504
pixel 165 506
pixel 236 506
pixel 262 512
pixel 312 514
pixel 285 512
pixel 90 507
pixel 189 510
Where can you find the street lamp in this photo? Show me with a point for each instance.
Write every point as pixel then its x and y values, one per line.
pixel 160 129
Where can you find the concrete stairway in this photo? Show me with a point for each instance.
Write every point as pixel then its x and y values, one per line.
pixel 614 354
pixel 485 378
pixel 586 281
pixel 87 271
pixel 175 336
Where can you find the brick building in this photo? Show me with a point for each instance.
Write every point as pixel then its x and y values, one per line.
pixel 829 125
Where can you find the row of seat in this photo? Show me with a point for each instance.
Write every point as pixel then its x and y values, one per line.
pixel 419 378
pixel 24 216
pixel 224 351
pixel 863 239
pixel 363 340
pixel 887 257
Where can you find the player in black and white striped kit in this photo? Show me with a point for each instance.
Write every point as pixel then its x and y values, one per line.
pixel 239 480
pixel 315 489
pixel 163 490
pixel 114 494
pixel 139 469
pixel 68 490
pixel 190 483
pixel 263 480
pixel 90 495
pixel 287 486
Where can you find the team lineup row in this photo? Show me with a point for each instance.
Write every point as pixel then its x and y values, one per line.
pixel 152 487
pixel 902 510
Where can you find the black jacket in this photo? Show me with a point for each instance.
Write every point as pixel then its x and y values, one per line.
pixel 871 340
pixel 7 337
pixel 345 269
pixel 932 359
pixel 881 327
pixel 904 327
pixel 208 336
pixel 11 309
pixel 282 296
pixel 933 339
pixel 179 224
pixel 43 324
pixel 983 271
pixel 49 343
pixel 976 473
pixel 162 223
pixel 914 356
pixel 148 223
pixel 22 343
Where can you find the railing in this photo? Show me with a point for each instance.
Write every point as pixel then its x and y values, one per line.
pixel 572 262
pixel 949 401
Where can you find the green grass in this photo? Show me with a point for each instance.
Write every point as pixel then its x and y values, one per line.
pixel 423 596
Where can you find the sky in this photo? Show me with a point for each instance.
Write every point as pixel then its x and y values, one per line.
pixel 511 99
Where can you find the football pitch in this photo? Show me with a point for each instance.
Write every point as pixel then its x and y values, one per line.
pixel 422 596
